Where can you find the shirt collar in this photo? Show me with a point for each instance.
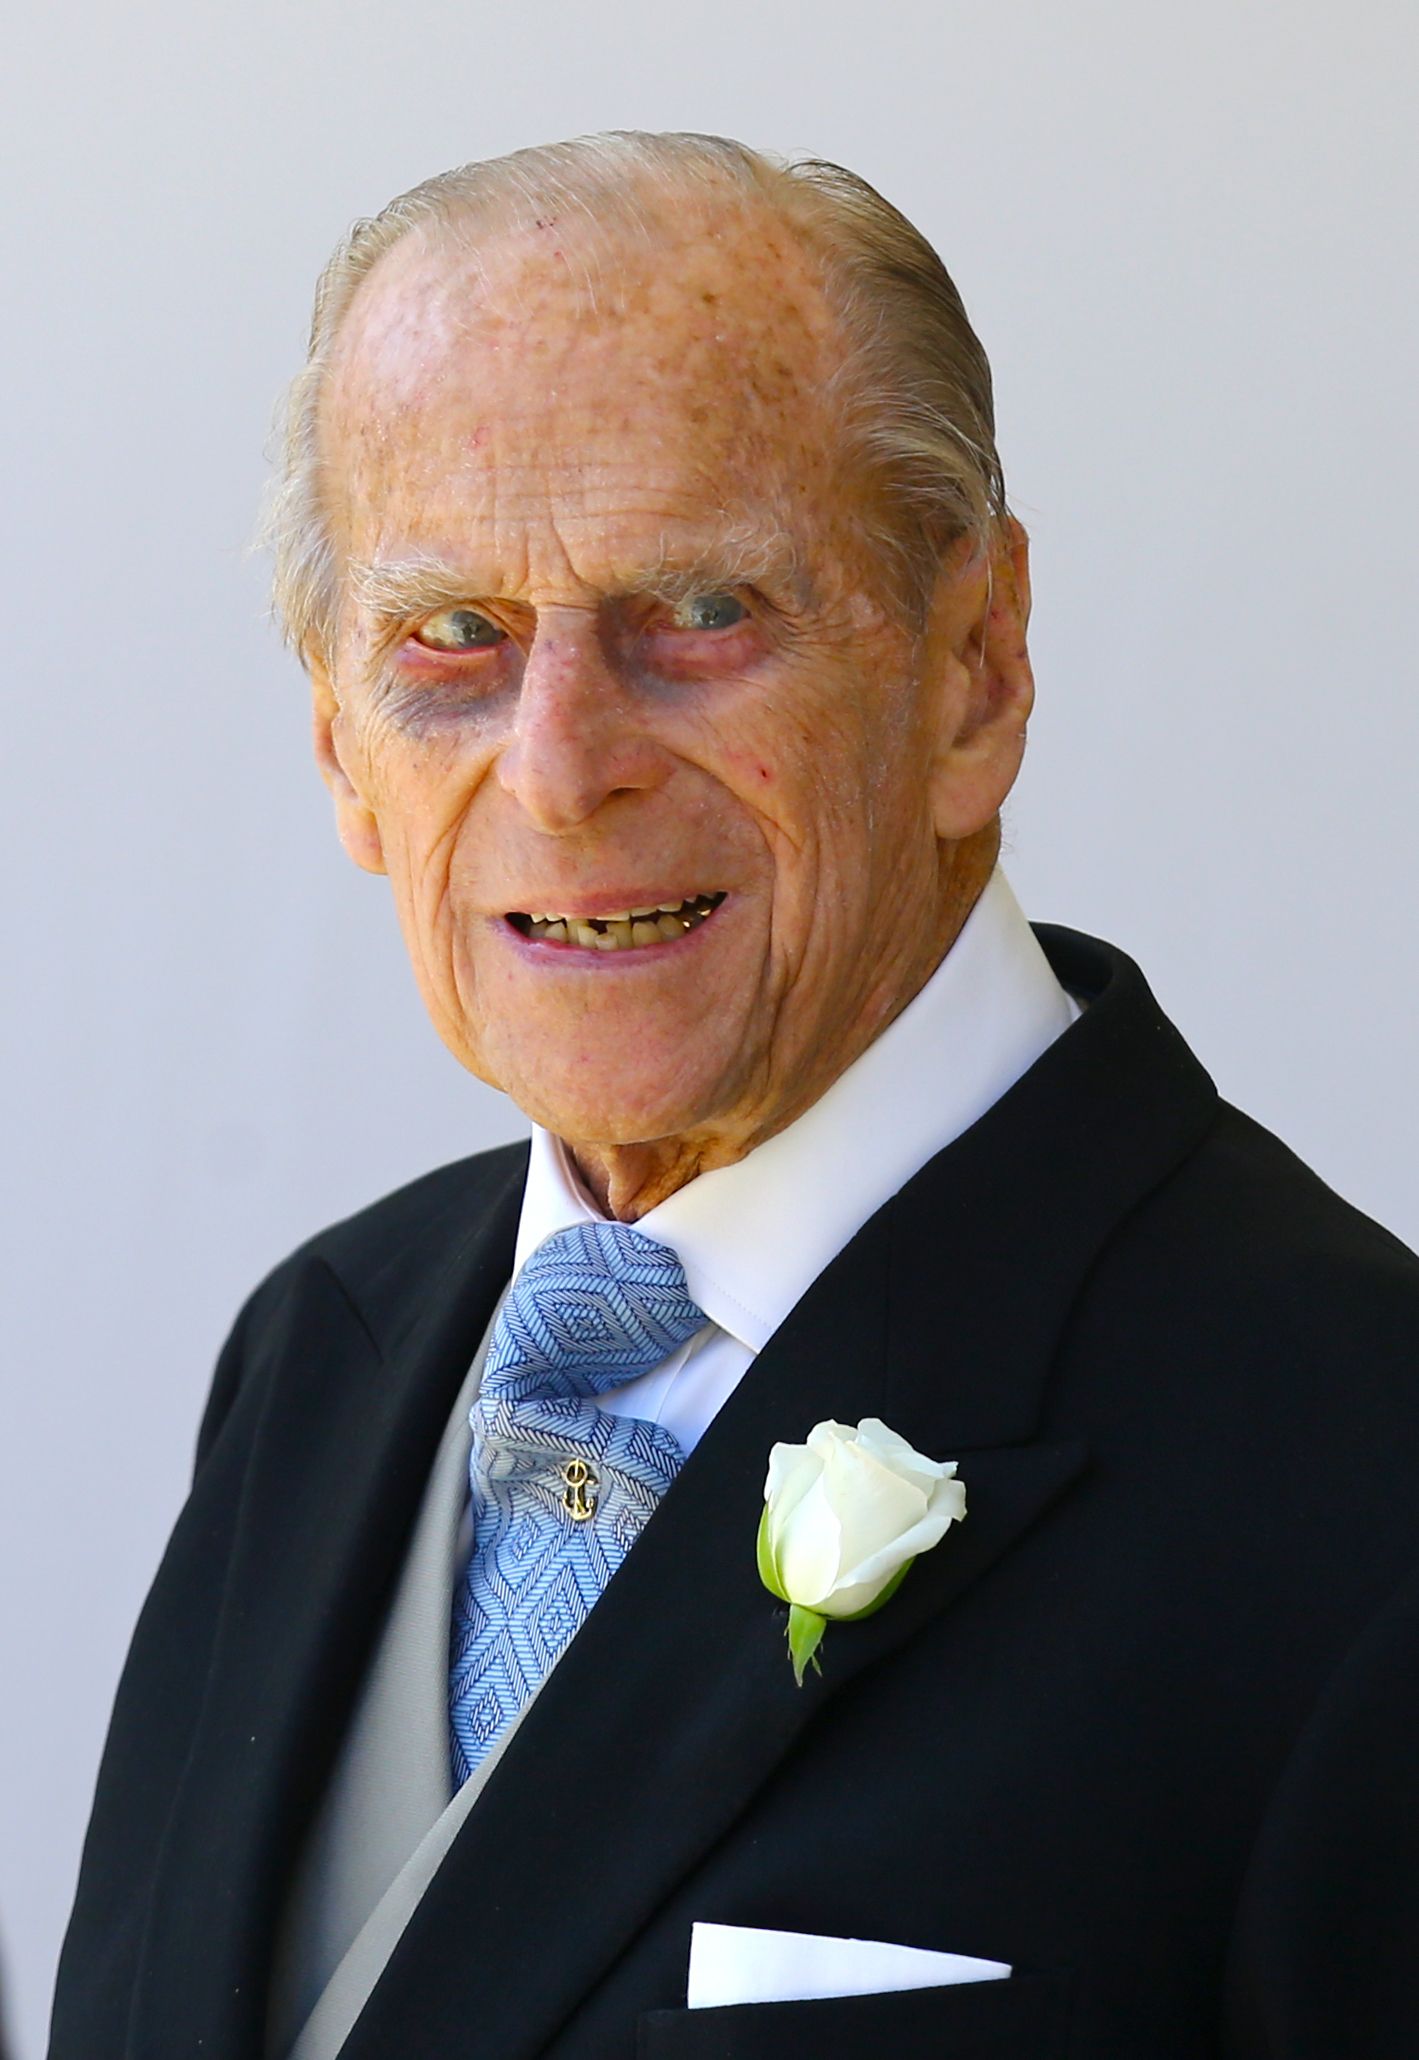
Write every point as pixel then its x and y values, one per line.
pixel 752 1237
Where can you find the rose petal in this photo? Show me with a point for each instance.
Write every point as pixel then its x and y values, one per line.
pixel 858 1584
pixel 792 1470
pixel 873 1504
pixel 808 1552
pixel 949 1497
pixel 827 1437
pixel 893 1450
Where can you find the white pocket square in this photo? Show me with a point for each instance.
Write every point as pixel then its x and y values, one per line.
pixel 736 1963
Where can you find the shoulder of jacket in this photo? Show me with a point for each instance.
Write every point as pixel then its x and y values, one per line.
pixel 436 1206
pixel 361 1251
pixel 1245 1238
pixel 453 1194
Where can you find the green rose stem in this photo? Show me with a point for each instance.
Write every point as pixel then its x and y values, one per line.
pixel 805 1634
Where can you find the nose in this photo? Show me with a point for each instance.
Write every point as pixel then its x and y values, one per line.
pixel 579 736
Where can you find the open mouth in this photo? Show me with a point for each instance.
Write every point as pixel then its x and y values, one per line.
pixel 629 929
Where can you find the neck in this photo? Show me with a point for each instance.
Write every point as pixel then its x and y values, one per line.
pixel 625 1181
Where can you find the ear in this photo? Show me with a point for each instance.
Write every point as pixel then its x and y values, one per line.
pixel 977 668
pixel 354 819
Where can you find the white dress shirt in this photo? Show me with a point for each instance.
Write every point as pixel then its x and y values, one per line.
pixel 754 1236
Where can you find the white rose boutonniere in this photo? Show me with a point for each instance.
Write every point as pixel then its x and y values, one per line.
pixel 844 1517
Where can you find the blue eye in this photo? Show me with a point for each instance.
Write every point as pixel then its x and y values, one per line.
pixel 710 611
pixel 459 629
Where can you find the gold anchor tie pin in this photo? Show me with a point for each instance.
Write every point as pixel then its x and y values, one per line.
pixel 579 1485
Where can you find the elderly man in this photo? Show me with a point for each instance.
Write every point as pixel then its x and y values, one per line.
pixel 644 539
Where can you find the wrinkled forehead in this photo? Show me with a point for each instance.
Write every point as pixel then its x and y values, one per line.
pixel 695 349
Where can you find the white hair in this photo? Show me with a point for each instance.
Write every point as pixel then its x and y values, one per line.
pixel 912 396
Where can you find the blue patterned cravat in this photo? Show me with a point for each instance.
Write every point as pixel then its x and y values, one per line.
pixel 561 1490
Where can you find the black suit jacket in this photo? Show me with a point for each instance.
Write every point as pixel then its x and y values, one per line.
pixel 1142 1726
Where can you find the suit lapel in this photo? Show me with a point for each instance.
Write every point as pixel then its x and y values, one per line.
pixel 351 1402
pixel 675 1702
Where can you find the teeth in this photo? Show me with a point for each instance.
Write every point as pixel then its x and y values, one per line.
pixel 628 929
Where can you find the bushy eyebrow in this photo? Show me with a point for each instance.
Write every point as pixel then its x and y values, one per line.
pixel 391 590
pixel 397 590
pixel 745 558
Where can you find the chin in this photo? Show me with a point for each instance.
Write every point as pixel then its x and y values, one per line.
pixel 613 1120
pixel 620 1104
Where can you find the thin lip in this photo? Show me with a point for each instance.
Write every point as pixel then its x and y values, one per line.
pixel 545 950
pixel 607 906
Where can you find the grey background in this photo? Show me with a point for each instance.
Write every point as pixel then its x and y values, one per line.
pixel 1185 235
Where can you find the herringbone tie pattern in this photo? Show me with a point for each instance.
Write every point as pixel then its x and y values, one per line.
pixel 592 1308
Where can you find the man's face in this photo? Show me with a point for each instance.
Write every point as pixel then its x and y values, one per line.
pixel 610 656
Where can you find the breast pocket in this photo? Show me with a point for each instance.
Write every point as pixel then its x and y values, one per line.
pixel 1022 2018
